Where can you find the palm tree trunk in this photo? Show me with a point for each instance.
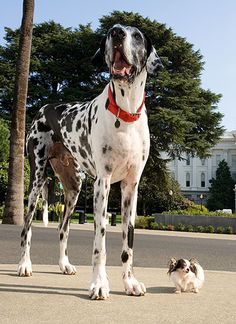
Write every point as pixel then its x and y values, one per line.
pixel 14 204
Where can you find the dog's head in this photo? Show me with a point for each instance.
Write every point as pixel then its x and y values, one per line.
pixel 182 266
pixel 127 52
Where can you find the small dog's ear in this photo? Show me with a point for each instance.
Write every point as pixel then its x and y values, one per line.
pixel 171 265
pixel 193 263
pixel 98 59
pixel 193 260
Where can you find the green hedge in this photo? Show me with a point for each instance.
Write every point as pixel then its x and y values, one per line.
pixel 147 222
pixel 195 209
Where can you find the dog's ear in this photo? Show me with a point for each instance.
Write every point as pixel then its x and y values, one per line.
pixel 193 263
pixel 193 260
pixel 171 265
pixel 148 45
pixel 98 59
pixel 154 64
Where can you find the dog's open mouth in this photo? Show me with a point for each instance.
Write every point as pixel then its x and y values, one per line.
pixel 120 67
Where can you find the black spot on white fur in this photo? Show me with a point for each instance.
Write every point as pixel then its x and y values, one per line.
pixel 124 256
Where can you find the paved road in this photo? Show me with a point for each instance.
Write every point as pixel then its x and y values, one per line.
pixel 152 251
pixel 50 297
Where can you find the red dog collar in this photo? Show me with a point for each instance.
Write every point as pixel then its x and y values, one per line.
pixel 120 113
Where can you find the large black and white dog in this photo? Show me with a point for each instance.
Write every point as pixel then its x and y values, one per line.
pixel 108 138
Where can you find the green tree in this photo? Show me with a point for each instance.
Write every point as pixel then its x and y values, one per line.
pixel 158 191
pixel 221 190
pixel 61 68
pixel 183 117
pixel 4 179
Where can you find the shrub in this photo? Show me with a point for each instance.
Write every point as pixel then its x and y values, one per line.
pixel 1 211
pixel 199 229
pixel 229 230
pixel 162 227
pixel 154 226
pixel 150 220
pixel 170 227
pixel 141 222
pixel 180 227
pixel 210 229
pixel 190 228
pixel 192 209
pixel 220 229
pixel 144 222
pixel 197 209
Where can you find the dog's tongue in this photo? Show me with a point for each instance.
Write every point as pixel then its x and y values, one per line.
pixel 120 66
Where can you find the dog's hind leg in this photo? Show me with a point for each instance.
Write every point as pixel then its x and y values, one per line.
pixel 70 201
pixel 37 180
pixel 129 190
pixel 67 171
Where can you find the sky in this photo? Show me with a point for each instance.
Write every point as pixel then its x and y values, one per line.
pixel 210 25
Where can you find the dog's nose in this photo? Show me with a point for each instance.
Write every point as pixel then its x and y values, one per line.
pixel 187 270
pixel 117 33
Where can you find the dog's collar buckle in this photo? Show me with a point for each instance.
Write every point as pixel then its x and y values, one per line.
pixel 120 113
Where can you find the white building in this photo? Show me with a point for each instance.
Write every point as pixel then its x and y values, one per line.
pixel 193 174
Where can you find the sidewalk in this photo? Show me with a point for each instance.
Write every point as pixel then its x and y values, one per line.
pixel 50 297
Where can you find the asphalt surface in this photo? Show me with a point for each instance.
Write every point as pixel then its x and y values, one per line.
pixel 154 249
pixel 50 297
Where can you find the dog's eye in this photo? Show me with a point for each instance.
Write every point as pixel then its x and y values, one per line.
pixel 137 36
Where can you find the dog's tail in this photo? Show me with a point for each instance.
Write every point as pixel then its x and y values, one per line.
pixel 199 272
pixel 200 276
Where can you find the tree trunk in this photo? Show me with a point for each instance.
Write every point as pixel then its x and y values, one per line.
pixel 14 204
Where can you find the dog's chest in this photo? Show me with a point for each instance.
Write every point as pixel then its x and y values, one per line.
pixel 98 145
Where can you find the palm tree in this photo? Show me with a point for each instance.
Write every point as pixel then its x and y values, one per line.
pixel 14 204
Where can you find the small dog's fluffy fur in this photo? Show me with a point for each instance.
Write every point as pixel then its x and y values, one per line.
pixel 187 275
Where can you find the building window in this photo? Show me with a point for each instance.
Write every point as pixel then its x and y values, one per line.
pixel 187 179
pixel 203 180
pixel 188 160
pixel 203 161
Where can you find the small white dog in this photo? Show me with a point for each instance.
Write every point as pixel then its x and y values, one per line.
pixel 187 275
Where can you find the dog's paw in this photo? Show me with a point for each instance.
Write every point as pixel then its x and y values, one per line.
pixel 134 287
pixel 99 289
pixel 67 268
pixel 176 291
pixel 24 268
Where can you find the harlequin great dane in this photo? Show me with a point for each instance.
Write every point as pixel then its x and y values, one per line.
pixel 108 138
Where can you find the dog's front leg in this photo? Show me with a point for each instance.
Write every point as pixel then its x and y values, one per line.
pixel 178 289
pixel 99 288
pixel 129 201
